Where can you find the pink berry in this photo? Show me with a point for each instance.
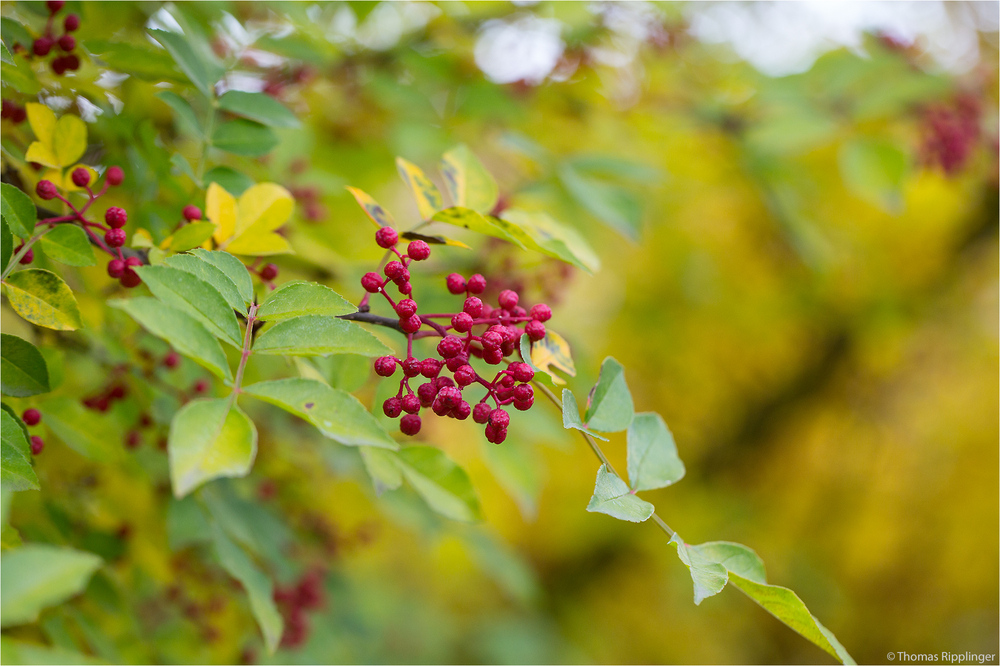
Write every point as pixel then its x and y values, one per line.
pixel 405 288
pixel 418 250
pixel 426 393
pixel 133 439
pixel 372 282
pixel 473 306
pixel 393 270
pixel 523 405
pixel 81 177
pixel 172 359
pixel 386 237
pixel 491 340
pixel 115 237
pixel 55 5
pixel 507 299
pixel 477 284
pixel 462 322
pixel 385 366
pixel 27 257
pixel 410 324
pixel 71 23
pixel 37 444
pixel 450 396
pixel 535 330
pixel 499 418
pixel 443 381
pixel 201 386
pixel 116 217
pixel 541 312
pixel 461 411
pixel 450 346
pixel 133 261
pixel 524 392
pixel 465 375
pixel 46 190
pixel 402 277
pixel 493 356
pixel 130 279
pixel 59 66
pixel 439 407
pixel 409 424
pixel 430 368
pixel 522 372
pixel 71 62
pixel 411 367
pixel 456 283
pixel 191 213
pixel 42 46
pixel 392 407
pixel 268 272
pixel 481 413
pixel 406 308
pixel 115 176
pixel 67 43
pixel 116 268
pixel 457 361
pixel 411 404
pixel 31 416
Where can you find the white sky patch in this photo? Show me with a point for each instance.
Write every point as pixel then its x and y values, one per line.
pixel 526 47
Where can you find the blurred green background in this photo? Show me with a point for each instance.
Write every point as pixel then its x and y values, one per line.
pixel 795 206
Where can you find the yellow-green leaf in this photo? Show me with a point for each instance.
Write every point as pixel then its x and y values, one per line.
pixel 550 352
pixel 209 439
pixel 380 216
pixel 69 140
pixel 428 197
pixel 467 218
pixel 44 299
pixel 468 182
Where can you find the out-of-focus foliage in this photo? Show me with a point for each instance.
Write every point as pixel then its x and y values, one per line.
pixel 798 273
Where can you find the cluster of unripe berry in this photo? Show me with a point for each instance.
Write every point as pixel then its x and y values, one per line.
pixel 33 417
pixel 12 112
pixel 294 601
pixel 478 330
pixel 66 43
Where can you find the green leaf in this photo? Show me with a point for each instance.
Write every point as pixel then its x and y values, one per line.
pixel 613 497
pixel 16 471
pixel 5 55
pixel 6 244
pixel 652 454
pixel 191 236
pixel 18 210
pixel 318 335
pixel 468 182
pixel 198 298
pixel 199 70
pixel 209 439
pixel 612 204
pixel 68 243
pixel 540 232
pixel 185 333
pixel 17 419
pixel 193 264
pixel 183 167
pixel 22 652
pixel 347 372
pixel 444 485
pixel 298 298
pixel 37 576
pixel 335 413
pixel 186 116
pixel 609 406
pixel 428 197
pixel 234 269
pixel 383 467
pixel 259 107
pixel 257 586
pixel 466 218
pixel 186 523
pixel 86 432
pixel 23 371
pixel 874 170
pixel 42 298
pixel 708 575
pixel 571 415
pixel 244 137
pixel 143 62
pixel 231 180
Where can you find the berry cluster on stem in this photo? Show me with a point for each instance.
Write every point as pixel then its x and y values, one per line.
pixel 50 42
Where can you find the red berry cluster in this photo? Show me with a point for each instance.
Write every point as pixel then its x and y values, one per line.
pixel 66 43
pixel 294 601
pixel 951 134
pixel 12 112
pixel 33 417
pixel 103 400
pixel 309 196
pixel 479 331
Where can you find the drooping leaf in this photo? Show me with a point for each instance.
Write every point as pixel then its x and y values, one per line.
pixel 298 298
pixel 68 243
pixel 186 523
pixel 199 69
pixel 16 471
pixel 197 298
pixel 248 226
pixel 89 433
pixel 255 583
pixel 609 407
pixel 18 211
pixel 234 269
pixel 191 236
pixel 209 439
pixel 42 298
pixel 709 576
pixel 244 137
pixel 37 576
pixel 652 454
pixel 383 467
pixel 258 107
pixel 185 333
pixel 23 371
pixel 211 274
pixel 613 497
pixel 318 335
pixel 467 218
pixel 540 232
pixel 440 482
pixel 424 191
pixel 612 204
pixel 335 413
pixel 468 182
pixel 380 216
pixel 571 415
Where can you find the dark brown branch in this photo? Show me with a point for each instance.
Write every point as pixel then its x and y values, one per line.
pixel 369 318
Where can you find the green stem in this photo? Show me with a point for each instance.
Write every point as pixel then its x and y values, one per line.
pixel 245 352
pixel 596 448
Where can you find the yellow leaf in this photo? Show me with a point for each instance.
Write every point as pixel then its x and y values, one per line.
pixel 41 153
pixel 60 142
pixel 69 140
pixel 141 238
pixel 380 216
pixel 263 207
pixel 259 245
pixel 552 351
pixel 220 207
pixel 428 198
pixel 55 176
pixel 42 121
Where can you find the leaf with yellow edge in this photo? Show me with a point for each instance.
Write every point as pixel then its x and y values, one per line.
pixel 247 226
pixel 434 240
pixel 552 351
pixel 380 216
pixel 59 142
pixel 429 200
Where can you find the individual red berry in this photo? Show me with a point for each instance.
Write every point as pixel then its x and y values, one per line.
pixel 71 62
pixel 411 403
pixel 268 272
pixel 426 393
pixel 46 190
pixel 371 282
pixel 495 434
pixel 450 396
pixel 410 324
pixel 386 237
pixel 481 413
pixel 67 43
pixel 7 108
pixel 405 288
pixel 450 346
pixel 409 424
pixel 456 283
pixel 117 392
pixel 411 367
pixel 522 372
pixel 402 278
pixel 71 23
pixel 461 411
pixel 504 393
pixel 392 407
pixel 406 308
pixel 145 420
pixel 42 46
pixel 491 340
pixel 55 5
pixel 172 359
pixel 115 176
pixel 535 330
pixel 191 213
pixel 430 367
pixel 59 66
pixel 19 116
pixel 418 250
pixel 477 284
pixel 465 375
pixel 115 237
pixel 524 392
pixel 507 299
pixel 37 444
pixel 462 322
pixel 444 381
pixel 133 439
pixel 201 386
pixel 27 257
pixel 493 355
pixel 130 279
pixel 499 418
pixel 116 217
pixel 31 416
pixel 81 177
pixel 523 405
pixel 473 306
pixel 439 407
pixel 541 312
pixel 393 270
pixel 457 361
pixel 506 381
pixel 385 366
